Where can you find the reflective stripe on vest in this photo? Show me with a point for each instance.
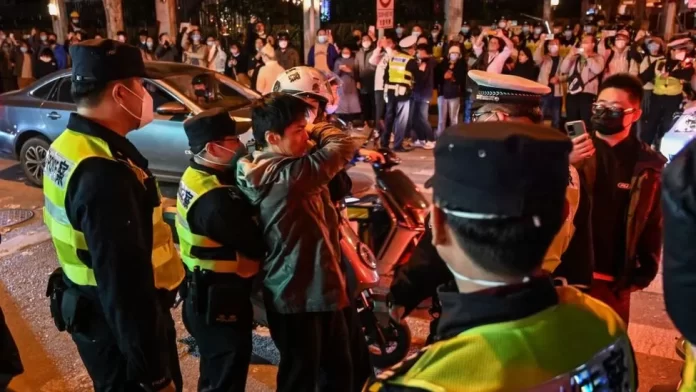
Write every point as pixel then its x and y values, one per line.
pixel 65 155
pixel 666 86
pixel 397 70
pixel 194 184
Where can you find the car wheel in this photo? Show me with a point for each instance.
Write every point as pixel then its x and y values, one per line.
pixel 32 158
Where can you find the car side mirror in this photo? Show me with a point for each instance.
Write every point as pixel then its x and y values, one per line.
pixel 172 108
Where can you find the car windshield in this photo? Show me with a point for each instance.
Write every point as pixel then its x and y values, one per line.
pixel 210 90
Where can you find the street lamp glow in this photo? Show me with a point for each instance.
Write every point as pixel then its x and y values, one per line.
pixel 554 3
pixel 52 9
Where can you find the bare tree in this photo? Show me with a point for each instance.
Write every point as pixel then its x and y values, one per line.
pixel 60 21
pixel 454 10
pixel 114 17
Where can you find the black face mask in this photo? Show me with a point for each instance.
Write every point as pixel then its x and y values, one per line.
pixel 608 122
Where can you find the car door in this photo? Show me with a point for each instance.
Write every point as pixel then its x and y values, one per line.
pixel 56 109
pixel 163 141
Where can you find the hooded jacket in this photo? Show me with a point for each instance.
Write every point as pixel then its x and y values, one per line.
pixel 299 222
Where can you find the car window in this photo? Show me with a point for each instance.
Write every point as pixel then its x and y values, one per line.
pixel 62 94
pixel 208 90
pixel 43 91
pixel 159 96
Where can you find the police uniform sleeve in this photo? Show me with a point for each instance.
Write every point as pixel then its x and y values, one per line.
pixel 101 202
pixel 227 218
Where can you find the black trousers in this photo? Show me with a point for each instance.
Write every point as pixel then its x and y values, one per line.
pixel 106 364
pixel 315 352
pixel 579 107
pixel 225 348
pixel 367 105
pixel 380 107
pixel 660 117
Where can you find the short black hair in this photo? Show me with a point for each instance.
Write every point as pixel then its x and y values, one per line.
pixel 87 95
pixel 511 247
pixel 626 82
pixel 123 33
pixel 425 47
pixel 162 35
pixel 275 112
pixel 143 32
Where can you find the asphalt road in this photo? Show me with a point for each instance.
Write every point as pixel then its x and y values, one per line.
pixel 51 361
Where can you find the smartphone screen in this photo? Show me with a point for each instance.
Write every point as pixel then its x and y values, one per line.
pixel 575 128
pixel 549 37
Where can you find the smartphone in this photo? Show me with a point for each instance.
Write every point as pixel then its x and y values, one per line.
pixel 549 37
pixel 575 128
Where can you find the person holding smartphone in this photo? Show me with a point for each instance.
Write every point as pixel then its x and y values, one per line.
pixel 582 69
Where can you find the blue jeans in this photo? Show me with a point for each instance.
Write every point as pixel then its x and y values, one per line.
pixel 421 124
pixel 467 109
pixel 551 107
pixel 396 120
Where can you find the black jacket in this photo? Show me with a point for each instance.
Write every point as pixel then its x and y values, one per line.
pixel 447 88
pixel 107 202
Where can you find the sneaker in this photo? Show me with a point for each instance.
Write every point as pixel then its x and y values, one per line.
pixel 419 144
pixel 429 145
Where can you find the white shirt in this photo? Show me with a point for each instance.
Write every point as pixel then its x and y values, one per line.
pixel 380 60
pixel 495 64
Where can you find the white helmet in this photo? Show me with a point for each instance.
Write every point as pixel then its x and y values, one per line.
pixel 307 82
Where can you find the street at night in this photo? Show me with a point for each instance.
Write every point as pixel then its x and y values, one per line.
pixel 51 362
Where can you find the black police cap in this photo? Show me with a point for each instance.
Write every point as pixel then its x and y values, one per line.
pixel 208 126
pixel 492 170
pixel 105 60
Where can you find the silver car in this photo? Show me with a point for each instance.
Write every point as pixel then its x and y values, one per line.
pixel 31 118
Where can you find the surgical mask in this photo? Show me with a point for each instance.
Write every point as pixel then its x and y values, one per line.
pixel 435 33
pixel 234 52
pixel 345 56
pixel 553 49
pixel 196 38
pixel 537 31
pixel 502 25
pixel 480 282
pixel 568 34
pixel 588 29
pixel 399 30
pixel 620 44
pixel 454 56
pixel 653 48
pixel 211 43
pixel 366 44
pixel 283 44
pixel 121 39
pixel 608 122
pixel 416 33
pixel 76 21
pixel 525 29
pixel 142 41
pixel 150 44
pixel 465 30
pixel 215 162
pixel 321 39
pixel 680 56
pixel 146 110
pixel 43 38
pixel 45 59
pixel 23 49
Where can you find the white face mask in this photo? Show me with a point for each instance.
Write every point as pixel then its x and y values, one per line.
pixel 76 21
pixel 283 44
pixel 366 44
pixel 502 25
pixel 121 39
pixel 321 39
pixel 680 56
pixel 480 282
pixel 416 33
pixel 345 56
pixel 537 31
pixel 553 49
pixel 23 49
pixel 150 44
pixel 146 109
pixel 234 52
pixel 215 162
pixel 453 57
pixel 211 43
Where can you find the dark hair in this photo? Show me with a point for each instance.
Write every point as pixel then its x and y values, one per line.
pixel 162 35
pixel 626 82
pixel 143 32
pixel 275 112
pixel 47 52
pixel 284 35
pixel 425 47
pixel 87 95
pixel 510 247
pixel 527 52
pixel 321 29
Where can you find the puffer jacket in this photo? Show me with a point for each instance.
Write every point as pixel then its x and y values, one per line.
pixel 299 222
pixel 643 224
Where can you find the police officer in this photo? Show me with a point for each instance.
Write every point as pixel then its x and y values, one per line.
pixel 502 328
pixel 398 87
pixel 220 246
pixel 119 267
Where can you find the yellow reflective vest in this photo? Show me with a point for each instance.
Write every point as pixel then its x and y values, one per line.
pixel 666 86
pixel 688 383
pixel 63 158
pixel 194 184
pixel 543 352
pixel 398 74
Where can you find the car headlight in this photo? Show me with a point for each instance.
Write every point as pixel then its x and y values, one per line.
pixel 367 256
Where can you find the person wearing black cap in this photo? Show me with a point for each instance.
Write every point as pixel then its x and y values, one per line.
pixel 286 55
pixel 679 269
pixel 668 76
pixel 221 247
pixel 502 326
pixel 120 271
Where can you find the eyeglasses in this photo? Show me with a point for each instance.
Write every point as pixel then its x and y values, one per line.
pixel 613 110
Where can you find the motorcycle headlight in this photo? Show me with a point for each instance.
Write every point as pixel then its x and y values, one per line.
pixel 367 256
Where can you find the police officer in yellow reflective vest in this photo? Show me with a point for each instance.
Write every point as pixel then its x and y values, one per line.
pixel 668 76
pixel 119 268
pixel 504 327
pixel 398 85
pixel 220 246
